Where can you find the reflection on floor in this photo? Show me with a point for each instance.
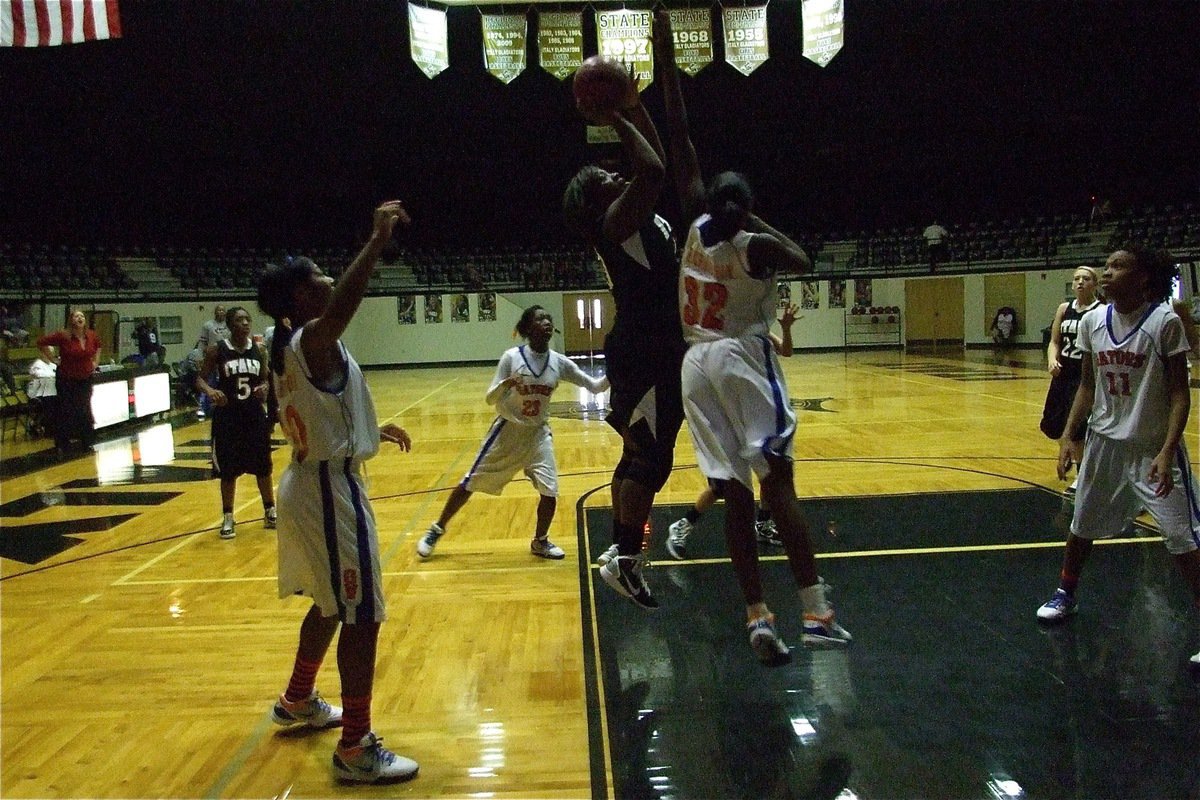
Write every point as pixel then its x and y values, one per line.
pixel 950 689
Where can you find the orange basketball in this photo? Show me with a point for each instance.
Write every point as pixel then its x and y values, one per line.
pixel 601 85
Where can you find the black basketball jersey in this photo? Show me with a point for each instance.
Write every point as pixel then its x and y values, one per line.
pixel 238 375
pixel 643 275
pixel 1068 330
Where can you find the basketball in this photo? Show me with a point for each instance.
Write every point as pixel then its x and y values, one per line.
pixel 601 85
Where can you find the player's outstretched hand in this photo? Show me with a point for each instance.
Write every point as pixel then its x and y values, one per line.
pixel 393 433
pixel 387 215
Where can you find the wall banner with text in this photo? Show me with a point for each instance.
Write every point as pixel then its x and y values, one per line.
pixel 428 41
pixel 693 32
pixel 504 38
pixel 824 29
pixel 625 35
pixel 746 45
pixel 560 42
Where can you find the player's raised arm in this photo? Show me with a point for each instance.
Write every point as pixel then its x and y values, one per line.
pixel 685 166
pixel 321 334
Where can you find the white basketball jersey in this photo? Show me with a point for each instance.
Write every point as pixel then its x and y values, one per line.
pixel 529 402
pixel 718 298
pixel 1130 364
pixel 324 424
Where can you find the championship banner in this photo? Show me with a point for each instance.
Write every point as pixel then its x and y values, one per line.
pixel 560 42
pixel 823 29
pixel 504 45
pixel 693 31
pixel 428 42
pixel 746 37
pixel 625 36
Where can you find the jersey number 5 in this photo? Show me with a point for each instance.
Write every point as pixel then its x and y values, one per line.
pixel 705 302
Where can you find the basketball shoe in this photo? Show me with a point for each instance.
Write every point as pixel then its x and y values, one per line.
pixel 370 762
pixel 270 518
pixel 768 533
pixel 823 631
pixel 227 531
pixel 429 540
pixel 1057 608
pixel 766 643
pixel 312 711
pixel 677 534
pixel 624 575
pixel 546 549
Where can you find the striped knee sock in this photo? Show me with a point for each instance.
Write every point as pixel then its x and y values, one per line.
pixel 356 719
pixel 304 678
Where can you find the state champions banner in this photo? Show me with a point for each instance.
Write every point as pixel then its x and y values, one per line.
pixel 746 44
pixel 692 29
pixel 824 29
pixel 428 42
pixel 624 35
pixel 560 42
pixel 504 38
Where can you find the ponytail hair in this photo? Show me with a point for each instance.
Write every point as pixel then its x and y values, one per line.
pixel 276 291
pixel 730 202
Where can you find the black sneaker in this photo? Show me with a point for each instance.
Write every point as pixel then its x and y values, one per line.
pixel 768 533
pixel 624 575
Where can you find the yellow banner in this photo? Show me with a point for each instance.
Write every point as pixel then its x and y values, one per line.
pixel 427 39
pixel 693 31
pixel 625 35
pixel 560 42
pixel 824 30
pixel 504 45
pixel 746 47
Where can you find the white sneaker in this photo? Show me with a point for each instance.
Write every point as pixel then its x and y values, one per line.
pixel 271 518
pixel 824 631
pixel 624 575
pixel 1195 660
pixel 546 549
pixel 607 556
pixel 766 643
pixel 370 762
pixel 227 529
pixel 312 711
pixel 429 540
pixel 677 535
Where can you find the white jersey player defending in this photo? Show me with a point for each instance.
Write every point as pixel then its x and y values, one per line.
pixel 520 437
pixel 1134 386
pixel 734 396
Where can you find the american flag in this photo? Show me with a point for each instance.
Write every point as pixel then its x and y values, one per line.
pixel 40 23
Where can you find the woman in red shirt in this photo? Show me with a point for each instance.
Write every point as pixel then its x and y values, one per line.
pixel 78 357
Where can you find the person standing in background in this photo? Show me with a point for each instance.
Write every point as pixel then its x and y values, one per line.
pixel 1063 356
pixel 241 437
pixel 211 332
pixel 148 343
pixel 935 244
pixel 78 358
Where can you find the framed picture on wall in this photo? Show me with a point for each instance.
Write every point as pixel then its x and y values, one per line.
pixel 837 294
pixel 460 309
pixel 810 294
pixel 785 294
pixel 406 309
pixel 862 292
pixel 487 306
pixel 433 308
